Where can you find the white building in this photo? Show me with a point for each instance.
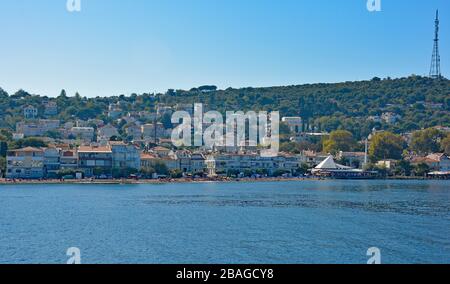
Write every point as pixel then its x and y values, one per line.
pixel 295 124
pixel 106 132
pixel 125 156
pixel 222 163
pixel 134 131
pixel 68 159
pixel 52 163
pixel 51 108
pixel 37 128
pixel 83 133
pixel 30 112
pixel 149 133
pixel 26 163
pixel 114 111
pixel 162 110
pixel 390 117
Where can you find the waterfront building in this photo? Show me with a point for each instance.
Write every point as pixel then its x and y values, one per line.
pixel 26 163
pixel 68 159
pixel 191 163
pixel 184 160
pixel 436 162
pixel 220 163
pixel 94 161
pixel 149 160
pixel 329 169
pixel 52 163
pixel 125 156
pixel 387 164
pixel 197 163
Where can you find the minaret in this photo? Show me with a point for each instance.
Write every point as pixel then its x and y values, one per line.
pixel 435 70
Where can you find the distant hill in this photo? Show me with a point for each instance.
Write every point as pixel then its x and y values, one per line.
pixel 420 101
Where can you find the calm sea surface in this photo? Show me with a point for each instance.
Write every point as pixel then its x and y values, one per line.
pixel 279 222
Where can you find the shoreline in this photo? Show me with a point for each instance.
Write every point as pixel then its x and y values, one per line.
pixel 180 180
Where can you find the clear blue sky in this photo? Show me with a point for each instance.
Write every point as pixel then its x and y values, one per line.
pixel 116 46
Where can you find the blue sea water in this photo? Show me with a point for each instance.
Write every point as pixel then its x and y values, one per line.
pixel 264 222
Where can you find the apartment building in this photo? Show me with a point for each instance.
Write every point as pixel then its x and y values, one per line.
pixel 84 133
pixel 125 156
pixel 222 163
pixel 26 163
pixel 30 112
pixel 52 163
pixel 94 160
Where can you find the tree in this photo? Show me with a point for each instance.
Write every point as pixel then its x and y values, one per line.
pixel 28 142
pixel 147 172
pixel 339 140
pixel 3 94
pixel 123 172
pixel 426 141
pixel 421 170
pixel 303 169
pixel 2 164
pixel 53 134
pixel 66 172
pixel 176 174
pixel 445 144
pixel 161 169
pixel 63 94
pixel 167 121
pixel 279 173
pixel 386 145
pixel 98 171
pixel 3 148
pixel 403 168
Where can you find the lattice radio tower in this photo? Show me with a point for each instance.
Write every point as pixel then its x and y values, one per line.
pixel 435 70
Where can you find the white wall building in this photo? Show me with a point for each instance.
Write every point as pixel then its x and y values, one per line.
pixel 30 112
pixel 106 132
pixel 83 133
pixel 125 156
pixel 26 163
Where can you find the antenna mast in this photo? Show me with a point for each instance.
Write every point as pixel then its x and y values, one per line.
pixel 435 71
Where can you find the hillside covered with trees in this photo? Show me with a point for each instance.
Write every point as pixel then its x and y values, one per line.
pixel 421 102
